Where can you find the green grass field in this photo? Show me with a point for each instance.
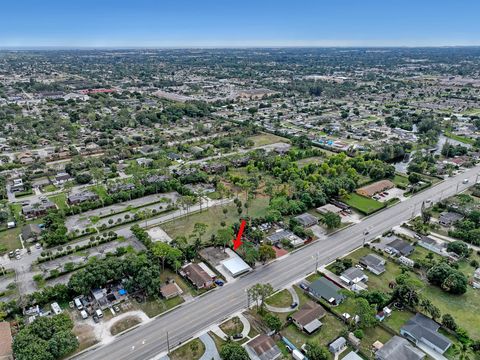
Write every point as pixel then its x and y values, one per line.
pixel 10 238
pixel 266 139
pixel 363 204
pixel 60 200
pixel 400 181
pixel 280 299
pixel 462 139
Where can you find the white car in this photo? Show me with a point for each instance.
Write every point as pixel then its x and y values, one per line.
pixel 465 181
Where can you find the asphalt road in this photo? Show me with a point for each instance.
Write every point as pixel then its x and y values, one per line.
pixel 150 340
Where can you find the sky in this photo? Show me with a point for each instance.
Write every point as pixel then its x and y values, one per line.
pixel 239 23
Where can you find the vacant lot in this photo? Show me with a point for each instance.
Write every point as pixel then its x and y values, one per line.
pixel 213 217
pixel 124 324
pixel 363 204
pixel 267 139
pixel 60 200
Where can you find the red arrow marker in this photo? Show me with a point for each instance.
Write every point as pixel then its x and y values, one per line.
pixel 238 241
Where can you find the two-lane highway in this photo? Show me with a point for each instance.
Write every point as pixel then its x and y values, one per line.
pixel 149 340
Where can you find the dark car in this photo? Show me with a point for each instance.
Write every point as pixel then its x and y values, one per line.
pixel 293 305
pixel 238 336
pixel 303 286
pixel 96 318
pixel 219 282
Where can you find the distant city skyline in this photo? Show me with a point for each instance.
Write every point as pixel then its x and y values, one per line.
pixel 247 23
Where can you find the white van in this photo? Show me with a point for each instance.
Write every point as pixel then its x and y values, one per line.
pixel 84 314
pixel 78 303
pixel 56 308
pixel 99 313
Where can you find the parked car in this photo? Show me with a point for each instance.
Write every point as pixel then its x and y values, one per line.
pixel 11 254
pixel 465 181
pixel 303 286
pixel 418 237
pixel 96 319
pixel 219 282
pixel 38 246
pixel 238 336
pixel 17 252
pixel 84 314
pixel 99 313
pixel 18 257
pixel 293 305
pixel 116 308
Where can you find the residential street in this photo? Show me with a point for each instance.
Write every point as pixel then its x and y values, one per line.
pixel 150 341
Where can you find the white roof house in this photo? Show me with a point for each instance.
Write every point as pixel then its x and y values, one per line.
pixel 236 266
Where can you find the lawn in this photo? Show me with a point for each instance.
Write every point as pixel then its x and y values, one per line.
pixel 462 139
pixel 155 307
pixel 266 139
pixel 99 190
pixel 213 217
pixel 400 181
pixel 192 350
pixel 280 299
pixel 49 188
pixel 363 204
pixel 398 319
pixel 10 238
pixel 370 336
pixel 124 324
pixel 330 330
pixel 60 200
pixel 232 326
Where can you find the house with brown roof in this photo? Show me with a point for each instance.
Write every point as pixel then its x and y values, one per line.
pixel 264 348
pixel 308 317
pixel 5 341
pixel 375 188
pixel 197 276
pixel 170 290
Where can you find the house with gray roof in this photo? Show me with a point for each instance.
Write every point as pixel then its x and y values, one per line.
pixel 374 263
pixel 421 329
pixel 326 289
pixel 449 218
pixel 353 276
pixel 84 196
pixel 31 232
pixel 397 348
pixel 400 247
pixel 283 234
pixel 306 219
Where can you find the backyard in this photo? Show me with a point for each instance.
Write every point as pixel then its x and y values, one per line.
pixel 267 139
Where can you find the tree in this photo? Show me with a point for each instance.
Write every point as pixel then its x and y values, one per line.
pixel 332 220
pixel 317 352
pixel 449 322
pixel 199 230
pixel 47 338
pixel 273 322
pixel 414 178
pixel 459 247
pixel 258 293
pixel 224 236
pixel 455 283
pixel 463 351
pixel 233 351
pixel 366 313
pixel 266 253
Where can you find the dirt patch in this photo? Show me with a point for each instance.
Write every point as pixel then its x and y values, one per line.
pixel 86 336
pixel 232 326
pixel 124 324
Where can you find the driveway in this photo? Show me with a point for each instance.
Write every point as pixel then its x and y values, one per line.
pixel 287 309
pixel 211 351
